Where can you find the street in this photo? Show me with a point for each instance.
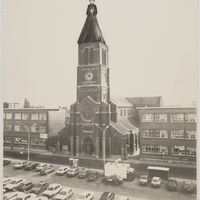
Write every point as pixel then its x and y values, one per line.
pixel 132 189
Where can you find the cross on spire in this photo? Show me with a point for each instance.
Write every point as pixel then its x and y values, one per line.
pixel 92 1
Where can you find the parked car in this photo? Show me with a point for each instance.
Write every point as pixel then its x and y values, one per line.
pixel 172 185
pixel 41 166
pixel 7 180
pixel 6 162
pixel 62 170
pixel 64 194
pixel 25 186
pixel 10 195
pixel 86 196
pixel 20 165
pixel 23 196
pixel 156 181
pixel 47 170
pixel 52 190
pixel 188 186
pixel 13 184
pixel 39 187
pixel 107 196
pixel 41 198
pixel 120 197
pixel 83 173
pixel 114 180
pixel 73 172
pixel 30 165
pixel 93 176
pixel 143 180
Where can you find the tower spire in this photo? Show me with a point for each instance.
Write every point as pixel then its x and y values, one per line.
pixel 91 31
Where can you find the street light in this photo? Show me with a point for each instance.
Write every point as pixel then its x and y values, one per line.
pixel 29 135
pixel 104 144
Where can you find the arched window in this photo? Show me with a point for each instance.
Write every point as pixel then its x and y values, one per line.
pixel 86 56
pixel 91 60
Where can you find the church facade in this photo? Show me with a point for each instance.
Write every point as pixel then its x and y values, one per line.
pixel 93 111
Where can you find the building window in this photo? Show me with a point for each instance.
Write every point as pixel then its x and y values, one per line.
pixel 25 129
pixel 148 149
pixel 7 140
pixel 121 112
pixel 161 118
pixel 177 134
pixel 4 115
pixel 17 140
pixel 149 133
pixel 42 130
pixel 191 151
pixel 34 141
pixel 8 116
pixel 25 116
pixel 178 150
pixel 34 116
pixel 104 57
pixel 42 116
pixel 190 135
pixel 34 129
pixel 161 150
pixel 147 118
pixel 91 55
pixel 18 116
pixel 86 56
pixel 124 112
pixel 190 117
pixel 17 127
pixel 8 127
pixel 88 128
pixel 161 134
pixel 42 142
pixel 177 118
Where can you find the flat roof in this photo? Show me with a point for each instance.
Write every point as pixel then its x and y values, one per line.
pixel 152 108
pixel 158 168
pixel 31 109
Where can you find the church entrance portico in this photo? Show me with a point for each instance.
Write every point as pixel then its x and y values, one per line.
pixel 88 146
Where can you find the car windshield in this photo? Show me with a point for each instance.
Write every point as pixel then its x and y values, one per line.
pixel 13 182
pixel 51 188
pixel 38 185
pixel 155 180
pixel 63 193
pixel 143 177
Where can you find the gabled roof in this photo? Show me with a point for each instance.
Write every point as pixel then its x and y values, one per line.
pixel 145 101
pixel 91 31
pixel 120 102
pixel 123 126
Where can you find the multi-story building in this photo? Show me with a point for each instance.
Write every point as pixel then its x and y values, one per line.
pixel 41 123
pixel 167 133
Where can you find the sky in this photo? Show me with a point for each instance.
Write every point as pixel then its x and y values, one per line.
pixel 152 49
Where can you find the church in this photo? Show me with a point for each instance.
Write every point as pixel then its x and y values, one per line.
pixel 98 122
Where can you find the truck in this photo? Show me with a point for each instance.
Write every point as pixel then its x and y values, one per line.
pixel 119 169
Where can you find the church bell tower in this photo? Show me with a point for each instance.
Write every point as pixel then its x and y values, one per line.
pixel 91 112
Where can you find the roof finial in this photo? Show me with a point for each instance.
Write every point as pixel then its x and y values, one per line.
pixel 92 1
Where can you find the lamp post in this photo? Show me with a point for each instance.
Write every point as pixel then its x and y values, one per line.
pixel 104 144
pixel 29 137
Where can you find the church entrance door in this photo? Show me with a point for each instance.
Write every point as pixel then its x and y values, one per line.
pixel 88 146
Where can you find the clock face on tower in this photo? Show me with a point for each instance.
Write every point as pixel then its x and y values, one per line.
pixel 87 113
pixel 88 76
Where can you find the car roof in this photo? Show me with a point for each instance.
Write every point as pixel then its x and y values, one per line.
pixel 54 185
pixel 86 192
pixel 156 177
